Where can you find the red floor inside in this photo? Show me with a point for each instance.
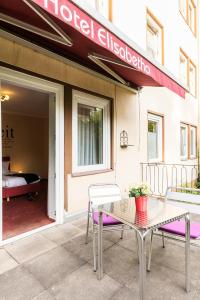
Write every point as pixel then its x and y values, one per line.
pixel 22 215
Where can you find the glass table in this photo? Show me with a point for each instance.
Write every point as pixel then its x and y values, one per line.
pixel 158 213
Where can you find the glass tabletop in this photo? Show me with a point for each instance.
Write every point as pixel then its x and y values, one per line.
pixel 158 213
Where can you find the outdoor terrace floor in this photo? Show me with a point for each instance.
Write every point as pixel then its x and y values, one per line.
pixel 56 264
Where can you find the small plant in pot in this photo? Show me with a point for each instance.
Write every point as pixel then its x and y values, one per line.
pixel 140 192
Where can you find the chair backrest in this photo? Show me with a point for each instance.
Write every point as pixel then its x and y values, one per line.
pixel 188 198
pixel 100 194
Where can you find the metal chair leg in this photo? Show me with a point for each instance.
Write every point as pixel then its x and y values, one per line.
pixel 163 240
pixel 150 252
pixel 136 236
pixel 94 250
pixel 122 232
pixel 87 230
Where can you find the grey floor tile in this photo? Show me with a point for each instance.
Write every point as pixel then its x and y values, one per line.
pixel 18 284
pixel 81 223
pixel 6 261
pixel 44 296
pixel 83 284
pixel 53 266
pixel 61 233
pixel 78 247
pixel 125 294
pixel 30 247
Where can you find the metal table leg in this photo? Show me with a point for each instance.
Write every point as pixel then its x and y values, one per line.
pixel 187 252
pixel 142 266
pixel 100 250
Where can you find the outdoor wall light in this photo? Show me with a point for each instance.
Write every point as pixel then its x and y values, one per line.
pixel 124 139
pixel 4 97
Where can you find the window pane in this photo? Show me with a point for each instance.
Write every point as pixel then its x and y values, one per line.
pixel 183 7
pixel 152 139
pixel 183 68
pixel 183 134
pixel 154 39
pixel 193 141
pixel 191 15
pixel 192 79
pixel 90 135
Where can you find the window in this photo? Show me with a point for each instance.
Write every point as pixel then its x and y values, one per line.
pixel 184 141
pixel 192 16
pixel 188 11
pixel 188 72
pixel 188 141
pixel 91 133
pixel 192 78
pixel 183 67
pixel 104 7
pixel 183 8
pixel 193 142
pixel 154 38
pixel 155 137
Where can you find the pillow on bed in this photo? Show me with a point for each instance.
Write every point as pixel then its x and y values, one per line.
pixel 5 167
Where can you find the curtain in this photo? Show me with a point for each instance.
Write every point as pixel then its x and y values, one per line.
pixel 90 135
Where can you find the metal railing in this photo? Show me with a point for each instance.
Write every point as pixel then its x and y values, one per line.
pixel 160 175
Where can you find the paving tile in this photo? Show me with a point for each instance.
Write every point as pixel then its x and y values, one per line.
pixel 83 284
pixel 81 223
pixel 53 266
pixel 62 233
pixel 18 284
pixel 30 247
pixel 119 263
pixel 44 296
pixel 6 262
pixel 78 247
pixel 125 294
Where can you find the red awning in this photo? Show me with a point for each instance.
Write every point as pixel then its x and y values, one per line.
pixel 85 40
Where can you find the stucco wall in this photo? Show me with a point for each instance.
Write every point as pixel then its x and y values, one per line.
pixel 130 114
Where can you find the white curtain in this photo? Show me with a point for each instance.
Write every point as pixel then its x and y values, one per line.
pixel 90 135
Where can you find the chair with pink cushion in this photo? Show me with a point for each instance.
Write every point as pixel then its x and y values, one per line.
pixel 100 194
pixel 188 198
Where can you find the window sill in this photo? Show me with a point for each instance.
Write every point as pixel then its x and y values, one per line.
pixel 87 173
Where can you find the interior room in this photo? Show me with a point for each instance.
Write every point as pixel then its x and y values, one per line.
pixel 25 152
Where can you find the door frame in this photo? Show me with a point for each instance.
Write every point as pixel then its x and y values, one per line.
pixel 34 82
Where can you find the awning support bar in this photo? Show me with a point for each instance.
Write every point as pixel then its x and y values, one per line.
pixel 49 21
pixel 32 29
pixel 97 61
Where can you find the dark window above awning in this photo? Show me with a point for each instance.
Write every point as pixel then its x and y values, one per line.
pixel 83 39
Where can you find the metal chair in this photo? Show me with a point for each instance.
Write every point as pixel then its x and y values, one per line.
pixel 188 198
pixel 100 194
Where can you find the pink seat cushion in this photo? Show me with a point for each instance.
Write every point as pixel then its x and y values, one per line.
pixel 178 227
pixel 107 220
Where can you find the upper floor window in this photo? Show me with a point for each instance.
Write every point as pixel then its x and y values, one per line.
pixel 188 11
pixel 154 38
pixel 155 137
pixel 104 7
pixel 183 67
pixel 192 78
pixel 188 72
pixel 192 15
pixel 183 8
pixel 188 141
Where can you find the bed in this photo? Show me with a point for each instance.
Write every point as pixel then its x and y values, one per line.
pixel 18 184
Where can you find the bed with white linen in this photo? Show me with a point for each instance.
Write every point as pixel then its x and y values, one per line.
pixel 17 184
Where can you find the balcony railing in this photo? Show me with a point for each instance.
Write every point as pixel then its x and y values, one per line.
pixel 159 176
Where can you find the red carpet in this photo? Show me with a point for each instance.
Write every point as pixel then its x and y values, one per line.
pixel 21 215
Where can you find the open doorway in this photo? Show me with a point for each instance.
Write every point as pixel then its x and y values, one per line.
pixel 28 159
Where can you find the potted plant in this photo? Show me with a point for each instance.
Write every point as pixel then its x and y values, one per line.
pixel 140 192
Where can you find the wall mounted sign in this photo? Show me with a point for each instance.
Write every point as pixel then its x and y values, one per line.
pixel 8 137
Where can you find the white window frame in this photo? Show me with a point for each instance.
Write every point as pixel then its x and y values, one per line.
pixel 88 99
pixel 158 119
pixel 185 156
pixel 194 142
